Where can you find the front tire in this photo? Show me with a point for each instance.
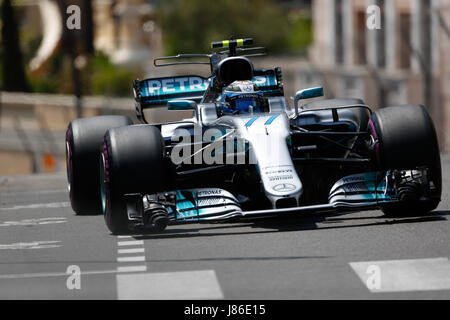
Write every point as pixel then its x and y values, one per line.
pixel 132 161
pixel 407 142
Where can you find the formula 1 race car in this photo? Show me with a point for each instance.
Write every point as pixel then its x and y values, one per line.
pixel 246 153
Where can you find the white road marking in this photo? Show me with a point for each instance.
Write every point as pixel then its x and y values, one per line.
pixel 404 275
pixel 130 236
pixel 136 250
pixel 130 243
pixel 131 259
pixel 186 285
pixel 35 192
pixel 33 222
pixel 132 269
pixel 37 206
pixel 58 274
pixel 30 245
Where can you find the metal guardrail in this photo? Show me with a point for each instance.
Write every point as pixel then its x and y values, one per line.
pixel 35 123
pixel 68 101
pixel 32 126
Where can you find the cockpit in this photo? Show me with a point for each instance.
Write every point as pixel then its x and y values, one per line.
pixel 242 97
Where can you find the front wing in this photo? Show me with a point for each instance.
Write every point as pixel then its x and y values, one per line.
pixel 357 192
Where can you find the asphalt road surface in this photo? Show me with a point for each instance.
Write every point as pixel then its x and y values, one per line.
pixel 46 252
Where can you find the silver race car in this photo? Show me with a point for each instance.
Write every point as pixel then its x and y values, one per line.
pixel 247 153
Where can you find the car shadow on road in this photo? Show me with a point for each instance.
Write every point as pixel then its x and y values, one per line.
pixel 290 224
pixel 209 230
pixel 347 220
pixel 241 259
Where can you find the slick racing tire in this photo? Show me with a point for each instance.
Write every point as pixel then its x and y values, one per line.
pixel 83 139
pixel 132 161
pixel 406 140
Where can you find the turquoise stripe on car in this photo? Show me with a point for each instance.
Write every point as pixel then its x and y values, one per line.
pixel 250 122
pixel 270 120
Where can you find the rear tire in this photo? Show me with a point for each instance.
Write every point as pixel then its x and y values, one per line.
pixel 83 139
pixel 132 161
pixel 406 139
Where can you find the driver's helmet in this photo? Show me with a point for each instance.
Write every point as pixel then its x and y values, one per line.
pixel 242 96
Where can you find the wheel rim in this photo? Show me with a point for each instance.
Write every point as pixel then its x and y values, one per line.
pixel 373 132
pixel 68 166
pixel 103 182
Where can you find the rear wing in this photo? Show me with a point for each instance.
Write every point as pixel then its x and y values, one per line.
pixel 155 92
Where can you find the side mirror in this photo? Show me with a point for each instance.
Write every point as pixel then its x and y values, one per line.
pixel 181 105
pixel 307 94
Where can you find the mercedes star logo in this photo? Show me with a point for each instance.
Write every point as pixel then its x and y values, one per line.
pixel 284 187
